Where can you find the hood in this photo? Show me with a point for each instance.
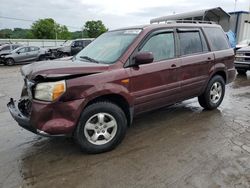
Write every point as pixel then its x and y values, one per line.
pixel 244 49
pixel 241 45
pixel 61 68
pixel 5 52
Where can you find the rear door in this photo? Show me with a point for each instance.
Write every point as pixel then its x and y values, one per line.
pixel 33 53
pixel 196 61
pixel 156 84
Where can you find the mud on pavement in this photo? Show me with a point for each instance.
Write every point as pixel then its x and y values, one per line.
pixel 178 146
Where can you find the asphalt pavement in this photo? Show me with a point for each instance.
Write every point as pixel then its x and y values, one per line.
pixel 178 146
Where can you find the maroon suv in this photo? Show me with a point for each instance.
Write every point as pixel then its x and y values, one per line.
pixel 95 95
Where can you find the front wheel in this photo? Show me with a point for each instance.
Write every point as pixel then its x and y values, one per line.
pixel 9 62
pixel 42 58
pixel 241 71
pixel 214 93
pixel 102 126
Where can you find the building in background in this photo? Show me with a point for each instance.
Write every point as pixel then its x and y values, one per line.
pixel 238 22
pixel 240 25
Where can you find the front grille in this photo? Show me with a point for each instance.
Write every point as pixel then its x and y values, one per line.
pixel 25 107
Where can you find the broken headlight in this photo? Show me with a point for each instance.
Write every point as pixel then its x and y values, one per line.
pixel 50 91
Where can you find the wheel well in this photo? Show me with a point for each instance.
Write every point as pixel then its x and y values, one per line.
pixel 222 74
pixel 116 99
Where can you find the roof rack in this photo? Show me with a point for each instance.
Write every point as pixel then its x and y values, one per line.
pixel 187 21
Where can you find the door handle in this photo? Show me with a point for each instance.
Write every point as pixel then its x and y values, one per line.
pixel 173 66
pixel 209 58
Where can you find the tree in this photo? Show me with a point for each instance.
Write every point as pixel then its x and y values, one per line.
pixel 94 28
pixel 63 32
pixel 48 29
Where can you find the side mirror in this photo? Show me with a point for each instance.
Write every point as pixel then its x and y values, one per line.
pixel 18 52
pixel 143 58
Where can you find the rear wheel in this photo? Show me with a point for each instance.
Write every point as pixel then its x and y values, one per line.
pixel 241 71
pixel 214 93
pixel 102 126
pixel 9 62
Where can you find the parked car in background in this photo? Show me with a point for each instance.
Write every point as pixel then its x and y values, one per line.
pixel 7 48
pixel 123 73
pixel 242 60
pixel 25 54
pixel 69 48
pixel 243 44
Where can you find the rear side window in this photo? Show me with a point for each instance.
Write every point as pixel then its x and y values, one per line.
pixel 34 48
pixel 190 42
pixel 217 38
pixel 161 45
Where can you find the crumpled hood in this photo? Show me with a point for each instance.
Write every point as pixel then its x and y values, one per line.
pixel 61 68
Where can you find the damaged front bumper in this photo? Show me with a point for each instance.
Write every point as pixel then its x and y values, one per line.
pixel 24 121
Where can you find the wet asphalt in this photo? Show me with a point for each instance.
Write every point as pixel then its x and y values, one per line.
pixel 178 146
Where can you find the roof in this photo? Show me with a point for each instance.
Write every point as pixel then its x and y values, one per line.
pixel 213 14
pixel 166 25
pixel 239 12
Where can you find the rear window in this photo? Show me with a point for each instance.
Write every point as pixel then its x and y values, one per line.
pixel 190 42
pixel 217 38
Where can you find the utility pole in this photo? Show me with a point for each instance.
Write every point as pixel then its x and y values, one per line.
pixel 235 3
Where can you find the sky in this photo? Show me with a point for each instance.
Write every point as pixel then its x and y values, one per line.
pixel 113 13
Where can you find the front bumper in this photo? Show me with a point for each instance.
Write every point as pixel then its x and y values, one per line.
pixel 24 121
pixel 242 65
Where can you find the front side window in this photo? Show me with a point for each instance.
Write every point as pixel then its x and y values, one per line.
pixel 217 38
pixel 109 46
pixel 161 45
pixel 15 46
pixel 6 48
pixel 190 42
pixel 22 50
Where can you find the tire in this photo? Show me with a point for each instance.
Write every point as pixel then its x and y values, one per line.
pixel 9 62
pixel 214 93
pixel 241 71
pixel 102 126
pixel 62 55
pixel 42 58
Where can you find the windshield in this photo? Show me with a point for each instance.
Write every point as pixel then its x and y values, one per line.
pixel 67 43
pixel 109 46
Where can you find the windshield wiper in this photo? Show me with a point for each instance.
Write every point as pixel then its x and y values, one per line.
pixel 89 59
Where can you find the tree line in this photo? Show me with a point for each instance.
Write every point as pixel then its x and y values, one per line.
pixel 48 29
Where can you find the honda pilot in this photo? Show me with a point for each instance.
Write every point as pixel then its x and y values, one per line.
pixel 95 95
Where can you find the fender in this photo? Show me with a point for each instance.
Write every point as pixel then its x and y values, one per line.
pixel 107 89
pixel 218 67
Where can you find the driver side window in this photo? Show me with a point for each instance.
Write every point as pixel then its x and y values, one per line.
pixel 161 45
pixel 22 50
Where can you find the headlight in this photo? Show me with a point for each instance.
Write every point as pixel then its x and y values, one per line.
pixel 239 54
pixel 50 91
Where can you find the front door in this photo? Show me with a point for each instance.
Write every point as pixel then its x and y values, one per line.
pixel 22 54
pixel 154 85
